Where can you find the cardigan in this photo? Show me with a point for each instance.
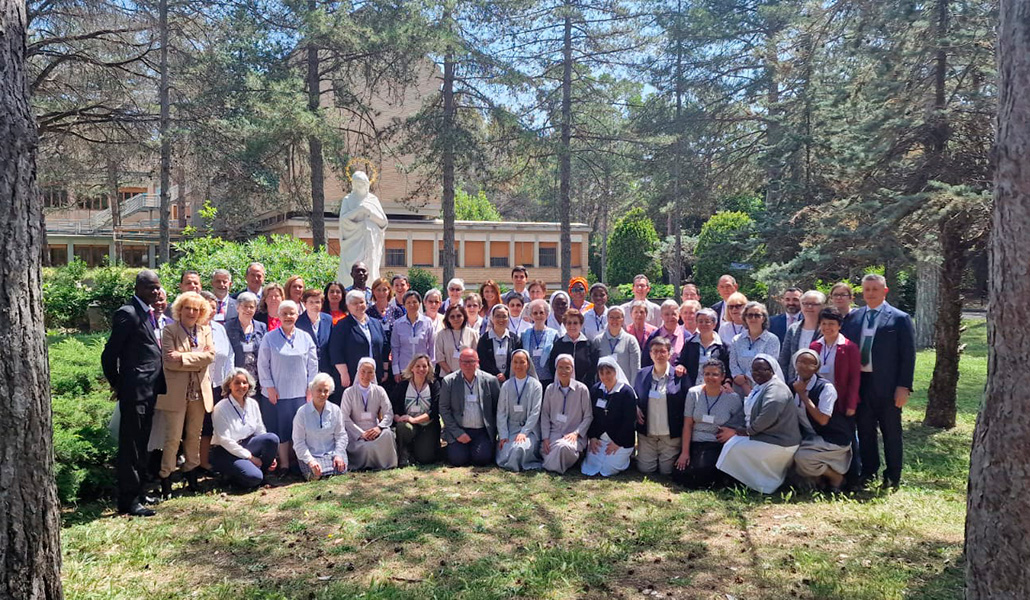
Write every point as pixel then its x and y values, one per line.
pixel 675 396
pixel 773 416
pixel 614 414
pixel 691 354
pixel 583 353
pixel 400 391
pixel 847 372
pixel 348 345
pixel 487 359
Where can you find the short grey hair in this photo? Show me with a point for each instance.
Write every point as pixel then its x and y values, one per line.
pixel 288 304
pixel 456 281
pixel 821 297
pixel 432 292
pixel 880 279
pixel 672 303
pixel 221 272
pixel 247 298
pixel 255 265
pixel 354 295
pixel 707 312
pixel 227 382
pixel 322 378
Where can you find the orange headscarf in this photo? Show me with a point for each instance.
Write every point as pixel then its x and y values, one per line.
pixel 587 305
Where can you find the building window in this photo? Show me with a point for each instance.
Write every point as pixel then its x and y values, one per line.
pixel 548 257
pixel 498 261
pixel 55 197
pixel 58 255
pixel 396 257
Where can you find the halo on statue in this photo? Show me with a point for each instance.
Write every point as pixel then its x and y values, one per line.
pixel 370 169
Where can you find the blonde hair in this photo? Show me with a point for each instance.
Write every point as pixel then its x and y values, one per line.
pixel 406 373
pixel 191 298
pixel 264 295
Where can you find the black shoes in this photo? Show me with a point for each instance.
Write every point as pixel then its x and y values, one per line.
pixel 137 510
pixel 166 488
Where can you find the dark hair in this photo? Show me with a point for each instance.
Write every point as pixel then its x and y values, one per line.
pixel 451 308
pixel 520 269
pixel 325 297
pixel 831 314
pixel 409 294
pixel 714 362
pixel 598 286
pixel 516 296
pixel 311 293
pixel 660 341
pixel 793 288
pixel 394 279
pixel 188 272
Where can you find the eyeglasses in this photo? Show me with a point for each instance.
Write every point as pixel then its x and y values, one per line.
pixel 455 290
pixel 433 301
pixel 753 316
pixel 840 295
pixel 735 306
pixel 811 304
pixel 579 289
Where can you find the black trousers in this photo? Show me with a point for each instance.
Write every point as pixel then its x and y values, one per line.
pixel 478 452
pixel 881 414
pixel 132 459
pixel 701 471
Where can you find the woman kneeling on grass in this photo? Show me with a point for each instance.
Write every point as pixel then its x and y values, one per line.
pixel 416 410
pixel 612 429
pixel 825 453
pixel 319 434
pixel 368 416
pixel 241 449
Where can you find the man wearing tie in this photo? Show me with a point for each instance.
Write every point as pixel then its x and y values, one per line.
pixel 791 301
pixel 131 361
pixel 221 283
pixel 886 343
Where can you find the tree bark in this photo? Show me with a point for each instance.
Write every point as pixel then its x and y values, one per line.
pixel 928 281
pixel 942 393
pixel 677 213
pixel 180 195
pixel 316 161
pixel 114 202
pixel 164 245
pixel 30 549
pixel 998 504
pixel 565 152
pixel 447 162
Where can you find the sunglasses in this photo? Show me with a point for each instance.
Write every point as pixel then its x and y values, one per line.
pixel 734 306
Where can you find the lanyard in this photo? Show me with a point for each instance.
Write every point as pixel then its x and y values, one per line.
pixel 289 340
pixel 471 387
pixel 247 336
pixel 367 333
pixel 751 343
pixel 518 392
pixel 418 392
pixel 711 405
pixel 537 339
pixel 456 339
pixel 243 417
pixel 706 352
pixel 518 324
pixel 565 396
pixel 320 426
pixel 364 396
pixel 657 381
pixel 221 305
pixel 612 343
pixel 193 338
pixel 734 327
pixel 599 321
pixel 828 351
pixel 414 327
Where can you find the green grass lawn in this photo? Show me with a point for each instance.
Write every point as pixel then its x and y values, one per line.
pixel 442 532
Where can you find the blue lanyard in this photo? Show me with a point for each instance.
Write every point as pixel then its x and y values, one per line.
pixel 414 327
pixel 194 340
pixel 518 392
pixel 364 396
pixel 751 343
pixel 706 352
pixel 734 327
pixel 711 405
pixel 827 351
pixel 418 392
pixel 288 340
pixel 243 417
pixel 599 321
pixel 320 426
pixel 247 336
pixel 565 396
pixel 611 346
pixel 518 324
pixel 471 387
pixel 537 339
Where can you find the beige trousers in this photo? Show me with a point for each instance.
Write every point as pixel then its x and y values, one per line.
pixel 657 453
pixel 193 416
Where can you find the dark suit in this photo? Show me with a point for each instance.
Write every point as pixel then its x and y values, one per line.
pixel 325 327
pixel 778 325
pixel 131 361
pixel 348 345
pixel 480 451
pixel 893 357
pixel 717 307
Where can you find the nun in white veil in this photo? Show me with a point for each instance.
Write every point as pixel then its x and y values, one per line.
pixel 612 431
pixel 564 417
pixel 367 416
pixel 760 455
pixel 518 416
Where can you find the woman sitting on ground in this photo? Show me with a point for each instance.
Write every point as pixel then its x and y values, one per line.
pixel 416 411
pixel 825 453
pixel 368 415
pixel 319 432
pixel 708 406
pixel 612 428
pixel 564 417
pixel 518 417
pixel 241 449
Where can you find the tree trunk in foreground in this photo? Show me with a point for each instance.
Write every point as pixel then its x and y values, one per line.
pixel 998 505
pixel 30 549
pixel 942 395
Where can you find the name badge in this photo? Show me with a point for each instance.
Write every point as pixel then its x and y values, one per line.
pixel 602 403
pixel 518 408
pixel 471 399
pixel 248 347
pixel 366 415
pixel 708 419
pixel 457 354
pixel 655 394
pixel 748 353
pixel 219 317
pixel 562 418
pixel 824 369
pixel 538 352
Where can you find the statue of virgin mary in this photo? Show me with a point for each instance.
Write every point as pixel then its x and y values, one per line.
pixel 362 230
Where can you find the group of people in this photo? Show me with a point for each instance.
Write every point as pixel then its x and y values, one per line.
pixel 292 379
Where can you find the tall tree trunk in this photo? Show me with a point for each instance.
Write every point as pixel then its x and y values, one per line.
pixel 928 281
pixel 30 548
pixel 565 152
pixel 941 395
pixel 315 159
pixel 447 162
pixel 114 202
pixel 998 503
pixel 165 210
pixel 180 195
pixel 676 273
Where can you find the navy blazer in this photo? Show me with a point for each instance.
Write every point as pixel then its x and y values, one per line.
pixel 325 327
pixel 717 307
pixel 894 348
pixel 778 325
pixel 348 345
pixel 131 359
pixel 675 398
pixel 234 331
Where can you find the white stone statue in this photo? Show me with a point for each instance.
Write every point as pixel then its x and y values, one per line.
pixel 362 230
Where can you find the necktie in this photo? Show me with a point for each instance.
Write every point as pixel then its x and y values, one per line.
pixel 867 341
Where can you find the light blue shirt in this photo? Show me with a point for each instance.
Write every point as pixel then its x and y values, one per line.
pixel 288 367
pixel 538 344
pixel 225 358
pixel 408 339
pixel 318 435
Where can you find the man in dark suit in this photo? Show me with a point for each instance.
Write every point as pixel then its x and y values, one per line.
pixel 468 407
pixel 886 343
pixel 791 301
pixel 221 283
pixel 132 364
pixel 727 286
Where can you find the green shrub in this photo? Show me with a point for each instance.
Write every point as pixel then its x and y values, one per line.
pixel 632 248
pixel 282 255
pixel 624 293
pixel 729 244
pixel 68 292
pixel 422 280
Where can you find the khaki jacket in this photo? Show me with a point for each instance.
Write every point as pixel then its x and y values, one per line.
pixel 192 364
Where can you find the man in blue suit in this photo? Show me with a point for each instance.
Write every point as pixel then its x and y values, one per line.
pixel 886 342
pixel 791 301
